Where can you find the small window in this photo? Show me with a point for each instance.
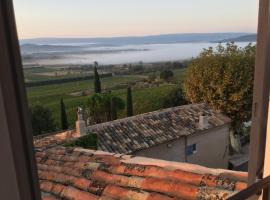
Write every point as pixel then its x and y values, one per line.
pixel 191 149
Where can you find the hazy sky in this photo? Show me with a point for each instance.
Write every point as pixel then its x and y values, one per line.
pixel 95 18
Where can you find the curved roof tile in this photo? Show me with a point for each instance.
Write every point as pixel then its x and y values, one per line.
pixel 80 174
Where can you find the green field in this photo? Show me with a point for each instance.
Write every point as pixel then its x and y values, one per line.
pixel 144 100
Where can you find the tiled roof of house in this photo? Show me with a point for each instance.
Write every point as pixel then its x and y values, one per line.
pixel 143 131
pixel 79 174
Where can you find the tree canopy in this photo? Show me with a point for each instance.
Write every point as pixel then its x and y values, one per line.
pixel 174 98
pixel 223 78
pixel 42 120
pixel 166 75
pixel 104 107
pixel 117 104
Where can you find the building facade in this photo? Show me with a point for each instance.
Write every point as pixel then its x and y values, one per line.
pixel 209 148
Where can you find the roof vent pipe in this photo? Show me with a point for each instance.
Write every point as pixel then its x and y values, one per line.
pixel 203 121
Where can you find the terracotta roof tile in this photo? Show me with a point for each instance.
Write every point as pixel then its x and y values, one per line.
pixel 48 197
pixel 50 140
pixel 76 173
pixel 66 192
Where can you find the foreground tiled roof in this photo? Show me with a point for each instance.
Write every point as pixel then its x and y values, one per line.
pixel 79 174
pixel 143 131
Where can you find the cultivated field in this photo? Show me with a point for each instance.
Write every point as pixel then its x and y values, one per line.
pixel 145 99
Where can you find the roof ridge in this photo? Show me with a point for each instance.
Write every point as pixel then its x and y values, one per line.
pixel 166 164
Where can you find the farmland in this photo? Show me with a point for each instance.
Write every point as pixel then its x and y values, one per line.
pixel 145 99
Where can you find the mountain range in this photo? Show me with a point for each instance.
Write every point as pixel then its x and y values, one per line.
pixel 243 38
pixel 151 39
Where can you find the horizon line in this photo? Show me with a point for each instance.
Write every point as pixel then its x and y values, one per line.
pixel 146 35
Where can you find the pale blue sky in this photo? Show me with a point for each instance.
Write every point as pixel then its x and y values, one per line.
pixel 95 18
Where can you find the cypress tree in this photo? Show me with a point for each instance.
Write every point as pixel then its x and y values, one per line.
pixel 117 104
pixel 97 79
pixel 108 105
pixel 64 121
pixel 129 102
pixel 113 110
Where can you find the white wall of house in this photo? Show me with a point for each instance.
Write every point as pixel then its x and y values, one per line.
pixel 172 151
pixel 211 149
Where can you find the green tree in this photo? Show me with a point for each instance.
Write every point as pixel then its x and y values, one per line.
pixel 97 83
pixel 174 98
pixel 117 104
pixel 113 110
pixel 104 107
pixel 95 105
pixel 63 115
pixel 223 78
pixel 166 75
pixel 42 120
pixel 129 102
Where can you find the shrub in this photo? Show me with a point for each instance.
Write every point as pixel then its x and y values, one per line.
pixel 89 141
pixel 174 98
pixel 166 75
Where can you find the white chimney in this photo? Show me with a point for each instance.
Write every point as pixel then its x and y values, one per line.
pixel 203 121
pixel 80 123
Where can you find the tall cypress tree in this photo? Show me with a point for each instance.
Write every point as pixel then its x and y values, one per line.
pixel 97 79
pixel 64 121
pixel 129 103
pixel 113 109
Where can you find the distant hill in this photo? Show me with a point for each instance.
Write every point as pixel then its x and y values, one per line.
pixel 151 39
pixel 243 38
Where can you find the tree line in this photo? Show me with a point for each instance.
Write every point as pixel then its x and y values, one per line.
pixel 64 80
